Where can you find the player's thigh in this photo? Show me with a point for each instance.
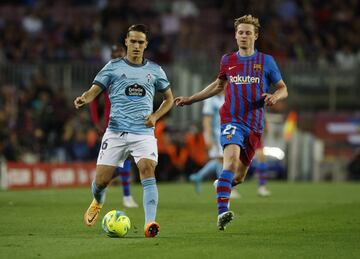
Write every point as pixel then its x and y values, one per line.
pixel 143 147
pixel 114 149
pixel 231 157
pixel 251 143
pixel 232 139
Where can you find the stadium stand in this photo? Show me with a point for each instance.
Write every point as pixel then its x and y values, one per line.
pixel 37 121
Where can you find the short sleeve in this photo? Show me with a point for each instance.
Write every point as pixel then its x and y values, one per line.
pixel 222 72
pixel 161 83
pixel 103 78
pixel 207 108
pixel 274 72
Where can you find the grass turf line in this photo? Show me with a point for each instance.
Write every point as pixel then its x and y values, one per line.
pixel 300 220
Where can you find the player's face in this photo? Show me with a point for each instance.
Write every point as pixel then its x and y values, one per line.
pixel 136 43
pixel 245 36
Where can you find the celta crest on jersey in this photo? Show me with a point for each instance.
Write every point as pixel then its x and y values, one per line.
pixel 135 92
pixel 239 80
pixel 148 76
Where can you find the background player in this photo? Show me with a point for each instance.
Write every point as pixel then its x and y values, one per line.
pixel 117 51
pixel 246 75
pixel 131 82
pixel 261 168
pixel 211 128
pixel 260 165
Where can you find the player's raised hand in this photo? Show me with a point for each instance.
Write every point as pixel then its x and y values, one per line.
pixel 182 100
pixel 270 99
pixel 79 101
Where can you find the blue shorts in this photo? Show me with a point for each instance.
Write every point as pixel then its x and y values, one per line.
pixel 236 133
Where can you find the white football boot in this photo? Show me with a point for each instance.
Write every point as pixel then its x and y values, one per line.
pixel 129 202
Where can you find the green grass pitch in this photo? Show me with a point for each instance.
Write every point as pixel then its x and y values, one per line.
pixel 300 220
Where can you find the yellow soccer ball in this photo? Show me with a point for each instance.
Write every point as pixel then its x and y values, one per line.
pixel 116 224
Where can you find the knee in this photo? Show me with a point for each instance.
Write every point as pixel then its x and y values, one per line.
pixel 103 175
pixel 101 180
pixel 147 168
pixel 232 165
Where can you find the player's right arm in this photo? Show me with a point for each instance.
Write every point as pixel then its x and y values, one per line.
pixel 87 96
pixel 212 89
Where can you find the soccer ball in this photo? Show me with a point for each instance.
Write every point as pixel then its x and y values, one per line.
pixel 116 224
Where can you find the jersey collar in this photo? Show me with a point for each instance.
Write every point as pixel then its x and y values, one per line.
pixel 135 65
pixel 246 57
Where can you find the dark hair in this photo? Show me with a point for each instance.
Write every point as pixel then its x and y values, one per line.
pixel 140 28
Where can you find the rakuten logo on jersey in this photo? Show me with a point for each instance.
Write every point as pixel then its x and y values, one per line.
pixel 239 80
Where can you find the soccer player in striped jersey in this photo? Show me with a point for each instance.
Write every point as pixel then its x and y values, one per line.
pixel 246 76
pixel 117 51
pixel 131 83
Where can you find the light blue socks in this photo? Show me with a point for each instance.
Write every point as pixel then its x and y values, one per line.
pixel 150 199
pixel 98 192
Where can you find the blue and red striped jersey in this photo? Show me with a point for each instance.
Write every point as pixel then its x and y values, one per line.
pixel 247 79
pixel 94 114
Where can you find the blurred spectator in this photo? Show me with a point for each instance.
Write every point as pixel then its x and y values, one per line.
pixel 32 23
pixel 345 58
pixel 185 8
pixel 39 31
pixel 170 24
pixel 178 154
pixel 287 10
pixel 196 146
pixel 354 167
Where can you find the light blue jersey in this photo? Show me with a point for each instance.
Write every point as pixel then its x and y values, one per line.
pixel 211 107
pixel 131 91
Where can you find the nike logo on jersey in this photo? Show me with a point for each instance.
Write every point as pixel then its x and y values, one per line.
pixel 231 67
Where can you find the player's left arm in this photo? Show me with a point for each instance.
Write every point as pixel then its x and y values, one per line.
pixel 280 94
pixel 168 100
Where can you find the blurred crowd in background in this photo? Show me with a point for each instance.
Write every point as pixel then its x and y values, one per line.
pixel 38 123
pixel 43 30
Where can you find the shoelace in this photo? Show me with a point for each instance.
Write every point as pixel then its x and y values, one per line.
pixel 94 209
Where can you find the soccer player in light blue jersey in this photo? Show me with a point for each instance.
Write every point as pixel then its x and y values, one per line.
pixel 246 75
pixel 131 83
pixel 117 51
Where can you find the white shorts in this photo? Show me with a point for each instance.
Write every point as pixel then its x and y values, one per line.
pixel 216 151
pixel 117 146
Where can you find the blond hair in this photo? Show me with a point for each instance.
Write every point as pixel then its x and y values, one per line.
pixel 248 19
